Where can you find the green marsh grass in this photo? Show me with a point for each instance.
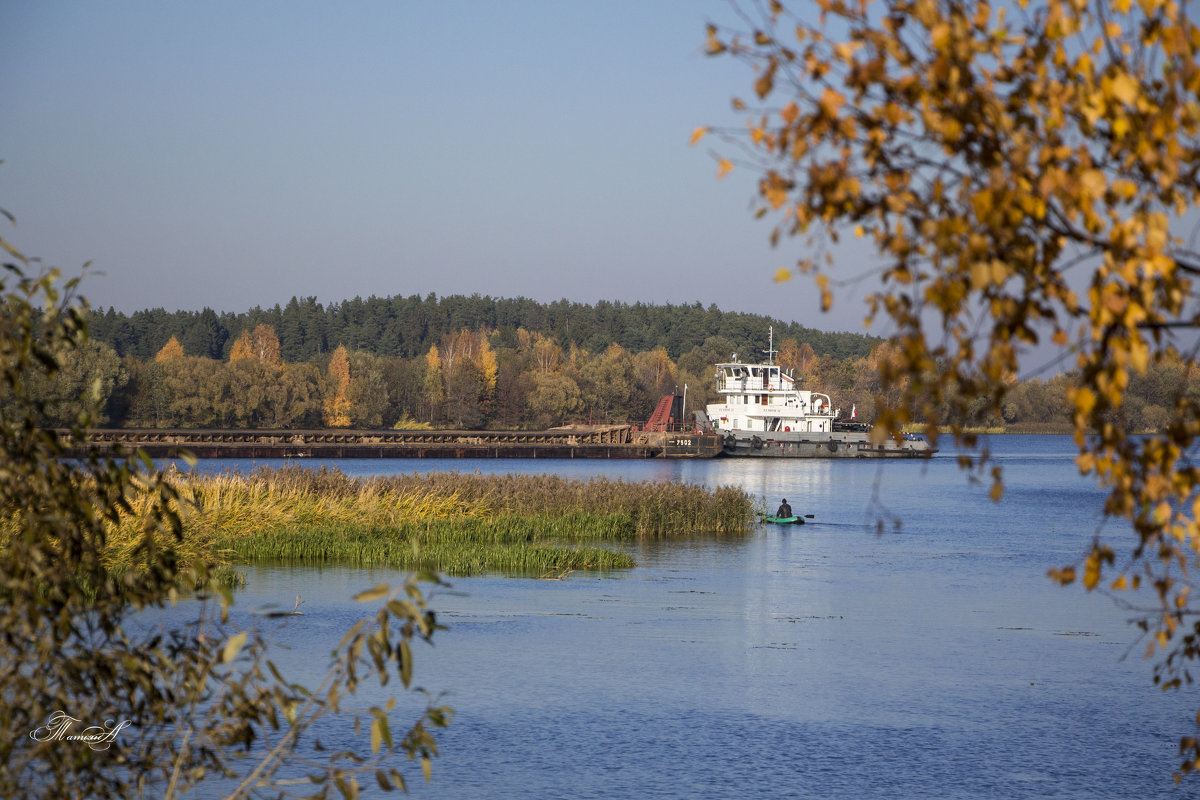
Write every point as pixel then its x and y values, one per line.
pixel 452 523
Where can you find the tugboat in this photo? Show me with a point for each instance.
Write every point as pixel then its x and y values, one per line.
pixel 765 414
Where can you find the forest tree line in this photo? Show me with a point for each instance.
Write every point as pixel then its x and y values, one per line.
pixel 406 327
pixel 484 377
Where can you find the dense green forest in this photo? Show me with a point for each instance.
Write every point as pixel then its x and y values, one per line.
pixel 406 327
pixel 477 363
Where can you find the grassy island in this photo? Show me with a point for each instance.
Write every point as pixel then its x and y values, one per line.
pixel 455 524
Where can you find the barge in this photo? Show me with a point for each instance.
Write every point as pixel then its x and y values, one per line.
pixel 574 441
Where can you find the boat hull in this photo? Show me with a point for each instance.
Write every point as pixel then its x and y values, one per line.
pixel 838 444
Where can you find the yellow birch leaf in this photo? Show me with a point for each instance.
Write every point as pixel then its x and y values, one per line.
pixel 233 647
pixel 1124 88
pixel 1093 182
pixel 715 45
pixel 999 272
pixel 982 201
pixel 1115 302
pixel 1139 357
pixel 1083 66
pixel 845 50
pixel 1120 584
pixel 826 295
pixel 1085 400
pixel 782 275
pixel 367 595
pixel 724 167
pixel 698 134
pixel 939 35
pixel 831 101
pixel 776 196
pixel 406 662
pixel 1064 576
pixel 1091 570
pixel 1124 189
pixel 763 86
pixel 979 275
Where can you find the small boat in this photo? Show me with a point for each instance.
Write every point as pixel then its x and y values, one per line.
pixel 785 520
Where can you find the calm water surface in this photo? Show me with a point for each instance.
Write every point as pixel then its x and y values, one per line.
pixel 932 660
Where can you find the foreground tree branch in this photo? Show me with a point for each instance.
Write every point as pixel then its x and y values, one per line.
pixel 100 701
pixel 982 150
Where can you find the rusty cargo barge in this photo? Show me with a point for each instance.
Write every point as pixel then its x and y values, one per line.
pixel 576 441
pixel 664 435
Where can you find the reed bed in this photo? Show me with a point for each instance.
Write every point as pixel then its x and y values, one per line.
pixel 452 523
pixel 657 509
pixel 452 552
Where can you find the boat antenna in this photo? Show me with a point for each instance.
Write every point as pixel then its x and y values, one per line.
pixel 770 351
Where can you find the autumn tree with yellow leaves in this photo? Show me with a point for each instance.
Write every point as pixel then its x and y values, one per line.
pixel 1024 172
pixel 337 399
pixel 172 349
pixel 261 344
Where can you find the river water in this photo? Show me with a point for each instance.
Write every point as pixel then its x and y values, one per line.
pixel 932 660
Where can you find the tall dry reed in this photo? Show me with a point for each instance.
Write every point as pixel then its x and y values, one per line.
pixel 454 523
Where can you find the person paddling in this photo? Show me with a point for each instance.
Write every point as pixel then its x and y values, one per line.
pixel 784 509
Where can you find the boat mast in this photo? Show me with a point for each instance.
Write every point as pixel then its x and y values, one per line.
pixel 770 351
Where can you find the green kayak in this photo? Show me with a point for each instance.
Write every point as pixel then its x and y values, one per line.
pixel 783 520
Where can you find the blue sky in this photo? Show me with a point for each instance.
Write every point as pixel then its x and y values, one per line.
pixel 233 154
